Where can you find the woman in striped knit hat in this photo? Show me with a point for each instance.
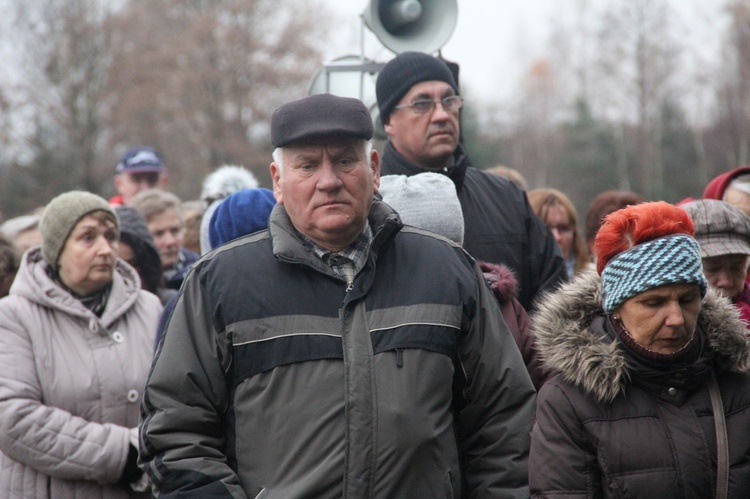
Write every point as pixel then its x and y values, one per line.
pixel 651 396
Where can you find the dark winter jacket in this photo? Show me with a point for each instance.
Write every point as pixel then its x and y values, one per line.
pixel 275 381
pixel 611 425
pixel 499 224
pixel 503 284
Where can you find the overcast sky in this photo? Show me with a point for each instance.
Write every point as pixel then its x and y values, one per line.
pixel 495 40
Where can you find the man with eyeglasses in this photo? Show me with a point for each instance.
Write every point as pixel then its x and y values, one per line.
pixel 419 107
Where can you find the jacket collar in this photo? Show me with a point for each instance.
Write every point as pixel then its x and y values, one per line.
pixel 33 283
pixel 289 244
pixel 395 164
pixel 586 357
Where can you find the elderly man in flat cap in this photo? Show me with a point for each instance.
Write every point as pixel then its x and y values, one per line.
pixel 338 353
pixel 419 107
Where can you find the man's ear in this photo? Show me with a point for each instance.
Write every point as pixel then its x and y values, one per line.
pixel 276 177
pixel 375 166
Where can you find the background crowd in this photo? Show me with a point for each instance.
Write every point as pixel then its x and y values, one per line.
pixel 630 321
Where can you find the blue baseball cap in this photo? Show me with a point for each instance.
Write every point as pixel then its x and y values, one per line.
pixel 141 160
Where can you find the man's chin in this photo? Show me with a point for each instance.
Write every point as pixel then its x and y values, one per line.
pixel 443 144
pixel 438 159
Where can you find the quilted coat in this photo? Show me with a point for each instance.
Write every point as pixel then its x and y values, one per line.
pixel 70 384
pixel 611 425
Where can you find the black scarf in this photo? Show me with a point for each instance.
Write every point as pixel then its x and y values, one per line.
pixel 684 369
pixel 96 302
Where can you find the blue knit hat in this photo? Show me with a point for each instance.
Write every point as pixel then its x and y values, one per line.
pixel 674 259
pixel 243 212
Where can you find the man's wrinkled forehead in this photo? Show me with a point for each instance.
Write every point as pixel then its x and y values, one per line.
pixel 333 145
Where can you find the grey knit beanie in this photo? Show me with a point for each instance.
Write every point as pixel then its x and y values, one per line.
pixel 404 71
pixel 62 214
pixel 427 201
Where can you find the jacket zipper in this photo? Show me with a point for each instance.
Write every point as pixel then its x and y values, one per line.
pixel 399 357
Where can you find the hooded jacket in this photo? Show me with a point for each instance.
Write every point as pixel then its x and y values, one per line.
pixel 499 225
pixel 70 384
pixel 716 187
pixel 275 381
pixel 609 427
pixel 134 232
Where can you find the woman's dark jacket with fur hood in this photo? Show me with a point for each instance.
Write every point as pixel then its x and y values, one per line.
pixel 608 425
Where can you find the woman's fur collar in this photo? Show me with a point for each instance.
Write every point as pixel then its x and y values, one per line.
pixel 592 361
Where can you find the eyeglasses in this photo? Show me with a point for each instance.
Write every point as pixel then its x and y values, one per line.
pixel 423 106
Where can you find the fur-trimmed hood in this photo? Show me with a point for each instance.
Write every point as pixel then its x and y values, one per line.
pixel 597 364
pixel 501 280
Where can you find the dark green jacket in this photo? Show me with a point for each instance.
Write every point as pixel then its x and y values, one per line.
pixel 274 381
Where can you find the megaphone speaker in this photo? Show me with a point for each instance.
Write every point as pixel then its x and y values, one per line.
pixel 420 25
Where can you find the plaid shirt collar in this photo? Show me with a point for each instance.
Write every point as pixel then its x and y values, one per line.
pixel 348 262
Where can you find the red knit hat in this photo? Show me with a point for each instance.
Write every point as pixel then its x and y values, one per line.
pixel 637 224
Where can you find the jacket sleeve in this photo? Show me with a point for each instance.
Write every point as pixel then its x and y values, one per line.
pixel 182 439
pixel 49 439
pixel 544 260
pixel 562 461
pixel 494 423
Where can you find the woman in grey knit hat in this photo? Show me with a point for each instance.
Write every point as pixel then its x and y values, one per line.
pixel 76 336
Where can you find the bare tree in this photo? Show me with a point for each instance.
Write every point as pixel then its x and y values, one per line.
pixel 638 58
pixel 733 89
pixel 199 79
pixel 536 118
pixel 62 87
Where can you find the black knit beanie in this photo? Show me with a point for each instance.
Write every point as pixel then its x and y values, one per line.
pixel 404 71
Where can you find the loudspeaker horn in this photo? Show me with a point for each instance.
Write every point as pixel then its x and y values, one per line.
pixel 420 25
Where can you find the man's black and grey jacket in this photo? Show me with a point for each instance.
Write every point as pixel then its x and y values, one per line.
pixel 274 381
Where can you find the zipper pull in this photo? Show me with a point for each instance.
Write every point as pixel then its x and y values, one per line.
pixel 349 285
pixel 399 357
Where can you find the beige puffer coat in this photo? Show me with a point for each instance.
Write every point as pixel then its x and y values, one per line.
pixel 70 384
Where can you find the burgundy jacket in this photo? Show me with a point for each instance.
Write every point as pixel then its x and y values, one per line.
pixel 504 285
